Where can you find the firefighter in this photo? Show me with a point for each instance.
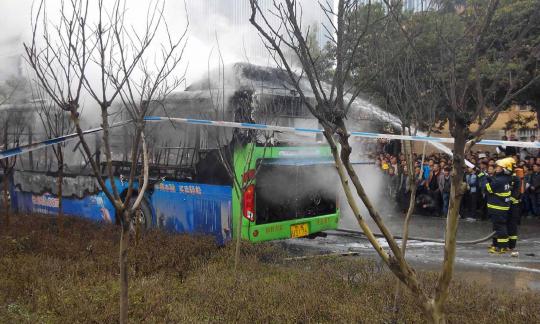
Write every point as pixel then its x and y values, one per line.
pixel 498 203
pixel 514 216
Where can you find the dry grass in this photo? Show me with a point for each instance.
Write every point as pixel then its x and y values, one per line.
pixel 71 276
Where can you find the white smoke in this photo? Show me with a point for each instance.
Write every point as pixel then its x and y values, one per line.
pixel 373 182
pixel 222 24
pixel 213 31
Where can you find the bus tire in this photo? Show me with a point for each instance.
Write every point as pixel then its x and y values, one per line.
pixel 142 216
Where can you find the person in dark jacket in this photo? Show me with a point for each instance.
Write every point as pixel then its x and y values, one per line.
pixel 426 205
pixel 444 186
pixel 482 181
pixel 403 190
pixel 514 216
pixel 526 207
pixel 472 192
pixel 508 150
pixel 498 203
pixel 534 190
pixel 433 186
pixel 511 150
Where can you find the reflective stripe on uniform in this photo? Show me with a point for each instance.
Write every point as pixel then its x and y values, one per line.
pixel 498 207
pixel 513 237
pixel 502 240
pixel 488 187
pixel 514 200
pixel 503 194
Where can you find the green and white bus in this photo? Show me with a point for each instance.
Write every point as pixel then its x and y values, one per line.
pixel 290 192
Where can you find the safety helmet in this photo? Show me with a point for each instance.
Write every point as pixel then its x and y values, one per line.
pixel 506 163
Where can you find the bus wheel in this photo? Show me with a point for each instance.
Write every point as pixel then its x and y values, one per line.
pixel 141 219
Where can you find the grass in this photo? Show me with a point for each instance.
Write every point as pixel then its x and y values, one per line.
pixel 70 276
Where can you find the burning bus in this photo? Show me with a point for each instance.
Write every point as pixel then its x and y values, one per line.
pixel 204 177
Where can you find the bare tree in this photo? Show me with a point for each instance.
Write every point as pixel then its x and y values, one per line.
pixel 475 86
pixel 56 122
pixel 91 36
pixel 412 97
pixel 14 121
pixel 331 107
pixel 242 143
pixel 334 100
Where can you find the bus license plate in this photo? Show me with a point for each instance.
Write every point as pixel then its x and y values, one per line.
pixel 299 230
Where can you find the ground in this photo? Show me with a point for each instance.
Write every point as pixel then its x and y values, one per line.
pixel 472 261
pixel 67 272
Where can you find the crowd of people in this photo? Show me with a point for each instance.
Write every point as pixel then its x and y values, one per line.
pixel 520 196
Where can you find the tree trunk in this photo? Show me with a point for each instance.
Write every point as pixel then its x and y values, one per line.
pixel 412 185
pixel 6 203
pixel 59 184
pixel 537 111
pixel 412 202
pixel 345 159
pixel 30 154
pixel 456 193
pixel 395 262
pixel 434 314
pixel 408 217
pixel 352 202
pixel 239 234
pixel 123 258
pixel 142 189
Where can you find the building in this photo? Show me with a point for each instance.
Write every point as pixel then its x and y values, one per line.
pixel 523 119
pixel 517 115
pixel 499 128
pixel 409 5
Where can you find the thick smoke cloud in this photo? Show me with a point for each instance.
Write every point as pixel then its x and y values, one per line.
pixel 219 24
pixel 210 28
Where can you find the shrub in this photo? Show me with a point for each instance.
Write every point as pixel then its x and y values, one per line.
pixel 71 275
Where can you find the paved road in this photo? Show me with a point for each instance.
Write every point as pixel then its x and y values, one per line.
pixel 473 262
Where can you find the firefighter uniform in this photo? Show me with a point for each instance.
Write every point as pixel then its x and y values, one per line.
pixel 515 212
pixel 498 207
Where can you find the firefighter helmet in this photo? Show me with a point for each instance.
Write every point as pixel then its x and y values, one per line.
pixel 506 163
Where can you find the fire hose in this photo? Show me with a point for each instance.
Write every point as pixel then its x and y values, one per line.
pixel 347 232
pixel 353 233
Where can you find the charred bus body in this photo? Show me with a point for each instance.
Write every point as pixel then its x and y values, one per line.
pixel 291 191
